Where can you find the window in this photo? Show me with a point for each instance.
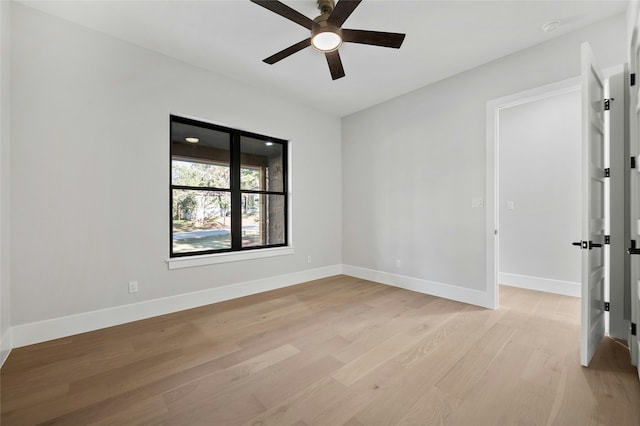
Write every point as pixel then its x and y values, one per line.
pixel 228 189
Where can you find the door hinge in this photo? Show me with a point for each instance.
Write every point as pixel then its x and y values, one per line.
pixel 632 79
pixel 607 172
pixel 607 239
pixel 607 104
pixel 607 306
pixel 633 329
pixel 633 162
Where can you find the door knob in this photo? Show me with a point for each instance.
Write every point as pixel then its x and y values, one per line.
pixel 586 244
pixel 581 244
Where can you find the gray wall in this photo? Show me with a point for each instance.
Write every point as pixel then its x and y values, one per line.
pixel 90 170
pixel 412 165
pixel 540 162
pixel 89 112
pixel 4 177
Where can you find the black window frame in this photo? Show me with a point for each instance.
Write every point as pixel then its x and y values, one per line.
pixel 234 189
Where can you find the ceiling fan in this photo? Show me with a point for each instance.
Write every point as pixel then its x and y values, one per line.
pixel 327 33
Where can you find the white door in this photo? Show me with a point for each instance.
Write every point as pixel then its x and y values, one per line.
pixel 593 182
pixel 634 149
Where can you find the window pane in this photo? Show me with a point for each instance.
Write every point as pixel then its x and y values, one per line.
pixel 263 219
pixel 262 165
pixel 190 173
pixel 201 220
pixel 200 156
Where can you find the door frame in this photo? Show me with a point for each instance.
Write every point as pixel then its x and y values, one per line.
pixel 492 151
pixel 633 49
pixel 494 107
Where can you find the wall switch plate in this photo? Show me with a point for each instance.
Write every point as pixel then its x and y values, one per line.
pixel 308 259
pixel 133 287
pixel 477 203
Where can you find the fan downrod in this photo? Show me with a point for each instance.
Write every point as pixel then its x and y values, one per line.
pixel 326 6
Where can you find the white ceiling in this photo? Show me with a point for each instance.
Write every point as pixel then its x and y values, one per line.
pixel 232 37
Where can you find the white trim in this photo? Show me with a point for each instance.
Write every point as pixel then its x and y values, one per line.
pixel 36 332
pixel 613 70
pixel 41 331
pixel 491 240
pixel 6 344
pixel 543 92
pixel 212 259
pixel 493 108
pixel 448 291
pixel 566 288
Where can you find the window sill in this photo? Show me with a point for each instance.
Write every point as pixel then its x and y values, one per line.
pixel 212 259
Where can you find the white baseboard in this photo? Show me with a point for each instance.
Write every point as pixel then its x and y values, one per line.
pixel 6 344
pixel 41 331
pixel 447 291
pixel 567 288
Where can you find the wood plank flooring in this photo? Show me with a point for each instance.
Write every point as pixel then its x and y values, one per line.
pixel 334 351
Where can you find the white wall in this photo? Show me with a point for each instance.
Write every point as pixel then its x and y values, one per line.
pixel 5 320
pixel 90 171
pixel 412 165
pixel 539 173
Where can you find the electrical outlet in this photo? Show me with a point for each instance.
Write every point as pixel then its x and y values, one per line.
pixel 133 287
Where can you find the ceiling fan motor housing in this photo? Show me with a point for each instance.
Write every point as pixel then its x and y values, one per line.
pixel 322 26
pixel 325 6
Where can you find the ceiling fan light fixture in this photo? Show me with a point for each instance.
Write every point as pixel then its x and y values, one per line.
pixel 325 37
pixel 326 40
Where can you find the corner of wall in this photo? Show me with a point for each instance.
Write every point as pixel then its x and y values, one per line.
pixel 6 345
pixel 5 35
pixel 461 294
pixel 631 14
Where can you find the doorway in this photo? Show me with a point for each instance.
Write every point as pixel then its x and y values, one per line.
pixel 533 189
pixel 538 194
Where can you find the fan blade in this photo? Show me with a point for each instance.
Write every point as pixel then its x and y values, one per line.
pixel 286 12
pixel 287 52
pixel 342 11
pixel 375 38
pixel 335 64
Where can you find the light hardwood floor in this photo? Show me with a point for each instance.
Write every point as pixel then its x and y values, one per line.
pixel 329 352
